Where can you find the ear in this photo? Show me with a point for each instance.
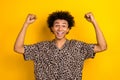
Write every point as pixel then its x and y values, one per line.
pixel 68 30
pixel 51 29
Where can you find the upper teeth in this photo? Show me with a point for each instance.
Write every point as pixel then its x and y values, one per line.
pixel 59 32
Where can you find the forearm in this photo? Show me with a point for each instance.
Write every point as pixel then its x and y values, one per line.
pixel 101 42
pixel 19 44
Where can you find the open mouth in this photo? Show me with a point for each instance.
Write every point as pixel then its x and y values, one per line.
pixel 60 33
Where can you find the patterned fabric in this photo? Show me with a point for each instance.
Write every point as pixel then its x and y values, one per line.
pixel 52 63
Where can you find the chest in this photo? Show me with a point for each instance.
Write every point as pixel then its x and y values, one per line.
pixel 60 56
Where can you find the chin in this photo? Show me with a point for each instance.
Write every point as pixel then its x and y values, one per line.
pixel 60 38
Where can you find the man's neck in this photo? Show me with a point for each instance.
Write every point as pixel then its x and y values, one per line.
pixel 60 42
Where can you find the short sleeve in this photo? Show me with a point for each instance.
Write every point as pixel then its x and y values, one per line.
pixel 30 51
pixel 88 50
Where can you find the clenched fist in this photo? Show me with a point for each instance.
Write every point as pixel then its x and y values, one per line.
pixel 89 16
pixel 30 18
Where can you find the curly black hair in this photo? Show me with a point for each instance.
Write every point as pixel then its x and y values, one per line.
pixel 60 15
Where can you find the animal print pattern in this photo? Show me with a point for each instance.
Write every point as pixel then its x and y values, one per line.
pixel 52 63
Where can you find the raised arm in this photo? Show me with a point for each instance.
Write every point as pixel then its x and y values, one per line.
pixel 101 43
pixel 19 44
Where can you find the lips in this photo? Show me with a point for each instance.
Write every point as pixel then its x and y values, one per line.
pixel 60 33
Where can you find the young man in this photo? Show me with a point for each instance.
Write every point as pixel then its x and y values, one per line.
pixel 59 59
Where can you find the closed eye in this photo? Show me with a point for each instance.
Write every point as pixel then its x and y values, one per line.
pixel 63 26
pixel 57 25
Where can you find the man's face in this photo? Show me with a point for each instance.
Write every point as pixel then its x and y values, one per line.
pixel 60 28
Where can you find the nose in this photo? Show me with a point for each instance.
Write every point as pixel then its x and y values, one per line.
pixel 60 28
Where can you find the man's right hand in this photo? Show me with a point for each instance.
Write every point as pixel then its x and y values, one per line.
pixel 30 19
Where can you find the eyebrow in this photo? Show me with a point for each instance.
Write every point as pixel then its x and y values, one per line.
pixel 58 22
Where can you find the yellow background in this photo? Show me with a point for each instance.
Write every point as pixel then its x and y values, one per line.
pixel 105 66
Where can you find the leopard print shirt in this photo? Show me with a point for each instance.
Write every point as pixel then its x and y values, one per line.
pixel 52 63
